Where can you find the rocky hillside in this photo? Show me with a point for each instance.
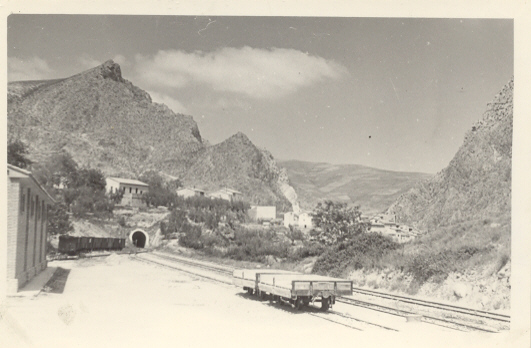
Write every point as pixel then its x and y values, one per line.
pixel 374 190
pixel 477 182
pixel 106 122
pixel 103 121
pixel 238 163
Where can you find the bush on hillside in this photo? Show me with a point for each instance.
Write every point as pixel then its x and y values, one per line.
pixel 361 251
pixel 257 245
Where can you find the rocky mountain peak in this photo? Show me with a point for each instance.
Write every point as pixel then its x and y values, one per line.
pixel 108 70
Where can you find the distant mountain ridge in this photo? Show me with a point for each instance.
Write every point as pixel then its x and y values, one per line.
pixel 477 182
pixel 374 190
pixel 106 122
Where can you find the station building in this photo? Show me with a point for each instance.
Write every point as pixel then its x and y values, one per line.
pixel 27 218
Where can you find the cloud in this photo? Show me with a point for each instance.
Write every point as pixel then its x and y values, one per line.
pixel 175 105
pixel 87 62
pixel 28 69
pixel 120 59
pixel 257 73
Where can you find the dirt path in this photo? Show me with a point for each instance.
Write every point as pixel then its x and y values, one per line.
pixel 119 302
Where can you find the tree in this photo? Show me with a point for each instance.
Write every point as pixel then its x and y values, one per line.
pixel 336 222
pixel 17 153
pixel 58 220
pixel 160 193
pixel 294 234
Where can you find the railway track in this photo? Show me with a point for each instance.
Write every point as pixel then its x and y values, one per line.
pixel 448 323
pixel 168 261
pixel 437 305
pixel 452 323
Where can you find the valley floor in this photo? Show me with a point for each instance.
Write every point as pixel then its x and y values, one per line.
pixel 120 301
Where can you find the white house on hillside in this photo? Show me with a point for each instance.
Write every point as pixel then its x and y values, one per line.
pixel 263 213
pixel 228 195
pixel 132 189
pixel 386 225
pixel 301 220
pixel 190 192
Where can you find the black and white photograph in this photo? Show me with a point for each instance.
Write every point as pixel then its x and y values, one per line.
pixel 211 177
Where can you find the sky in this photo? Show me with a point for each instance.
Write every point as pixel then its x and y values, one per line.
pixel 390 93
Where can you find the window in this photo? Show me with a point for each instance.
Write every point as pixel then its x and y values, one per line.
pixel 22 201
pixel 136 190
pixel 37 209
pixel 130 189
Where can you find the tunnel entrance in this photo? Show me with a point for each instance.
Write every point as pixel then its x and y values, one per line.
pixel 139 239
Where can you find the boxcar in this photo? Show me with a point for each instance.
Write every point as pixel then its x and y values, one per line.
pixel 82 244
pixel 68 245
pixel 108 243
pixel 97 243
pixel 116 244
pixel 90 243
pixel 302 289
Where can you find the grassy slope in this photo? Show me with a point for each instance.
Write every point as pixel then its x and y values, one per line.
pixel 372 189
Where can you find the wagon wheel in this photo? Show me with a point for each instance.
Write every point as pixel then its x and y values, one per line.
pixel 299 303
pixel 325 303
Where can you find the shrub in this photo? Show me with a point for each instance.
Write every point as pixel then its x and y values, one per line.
pixel 58 220
pixel 191 238
pixel 256 245
pixel 362 251
pixel 309 249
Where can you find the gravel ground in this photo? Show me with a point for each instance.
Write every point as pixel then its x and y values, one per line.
pixel 118 301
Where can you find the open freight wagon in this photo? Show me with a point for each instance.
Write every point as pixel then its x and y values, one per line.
pixel 248 279
pixel 292 288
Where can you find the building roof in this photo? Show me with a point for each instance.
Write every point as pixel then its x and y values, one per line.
pixel 19 173
pixel 226 189
pixel 190 189
pixel 128 181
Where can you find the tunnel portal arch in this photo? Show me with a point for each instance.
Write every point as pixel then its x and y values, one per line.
pixel 139 238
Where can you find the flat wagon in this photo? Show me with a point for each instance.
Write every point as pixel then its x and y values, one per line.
pixel 302 289
pixel 248 279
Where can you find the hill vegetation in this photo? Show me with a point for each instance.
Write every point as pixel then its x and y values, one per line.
pixel 477 182
pixel 374 190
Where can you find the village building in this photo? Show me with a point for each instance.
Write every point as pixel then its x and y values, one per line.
pixel 386 225
pixel 27 218
pixel 302 220
pixel 132 190
pixel 190 192
pixel 227 194
pixel 262 213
